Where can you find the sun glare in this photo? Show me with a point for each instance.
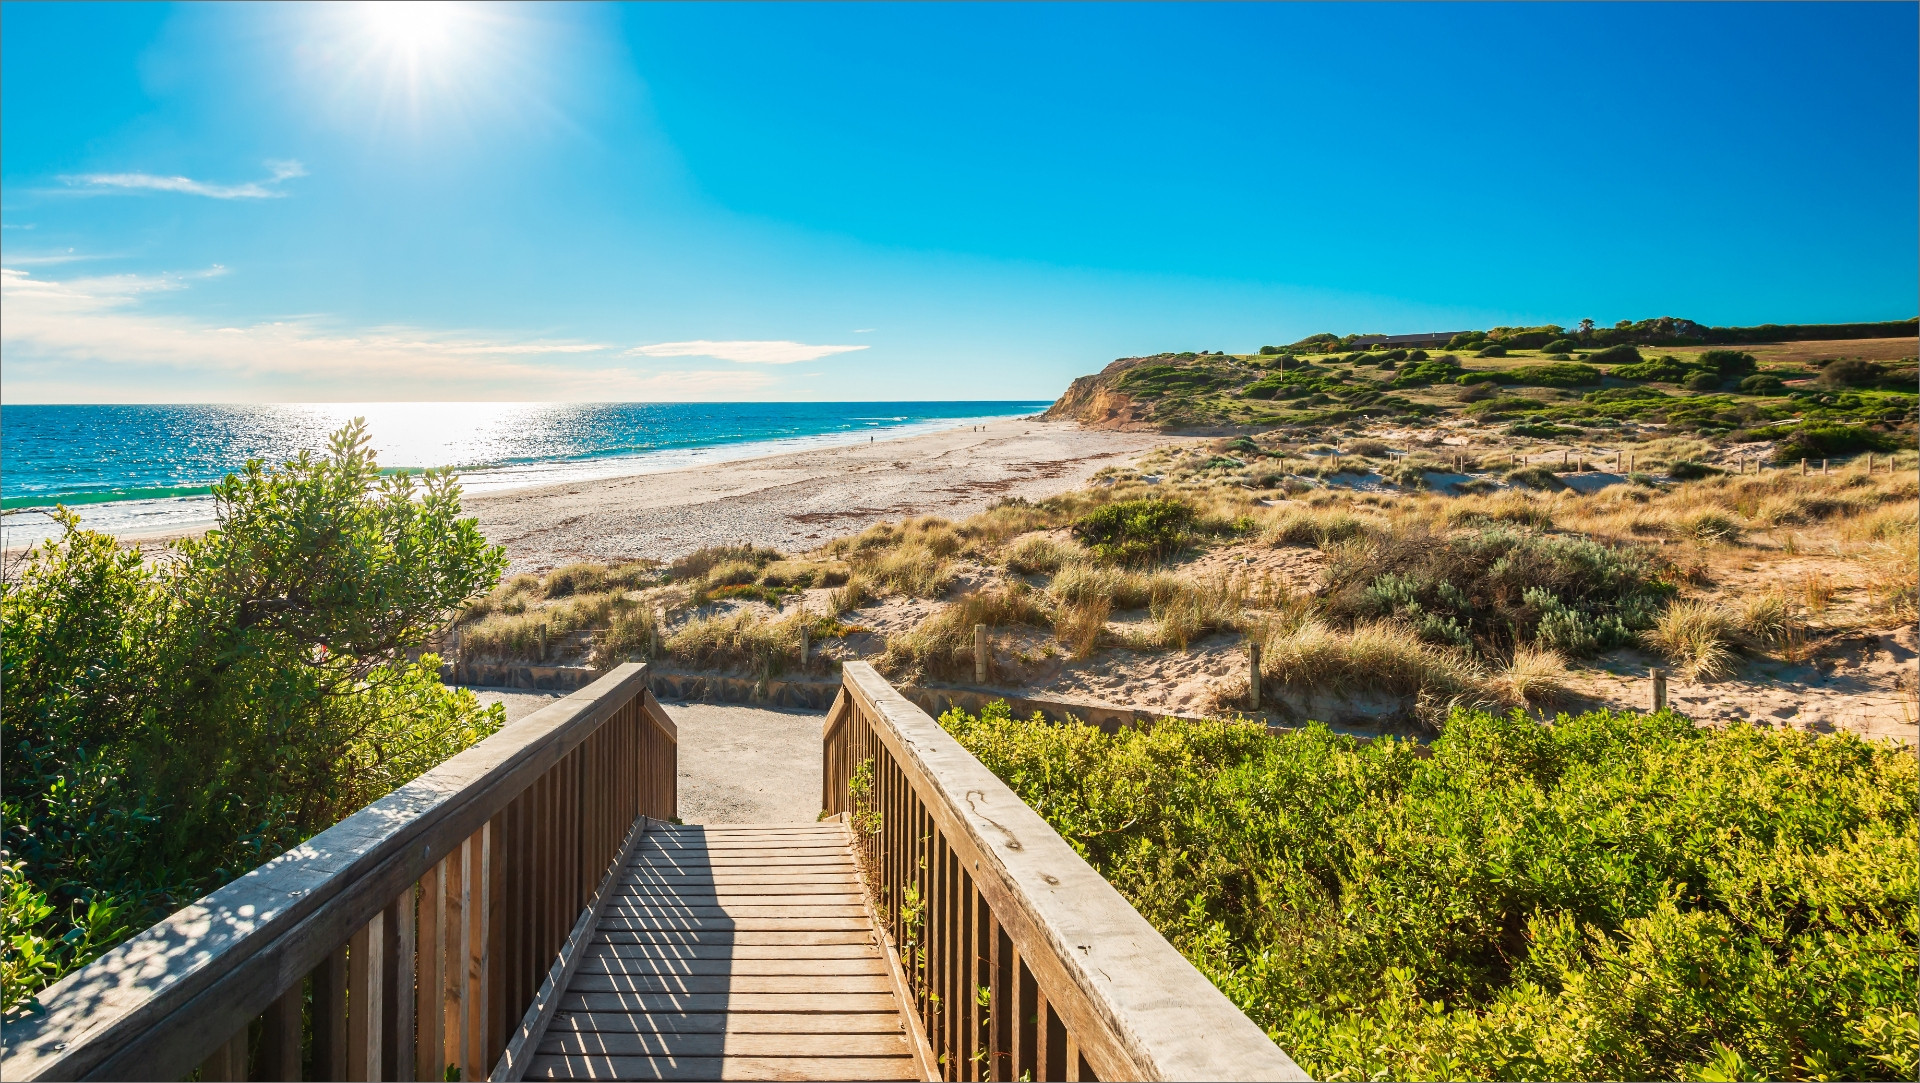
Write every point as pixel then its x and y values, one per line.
pixel 413 26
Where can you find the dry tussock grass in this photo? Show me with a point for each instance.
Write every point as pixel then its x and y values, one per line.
pixel 1693 636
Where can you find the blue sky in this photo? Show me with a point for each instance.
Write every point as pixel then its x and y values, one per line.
pixel 449 201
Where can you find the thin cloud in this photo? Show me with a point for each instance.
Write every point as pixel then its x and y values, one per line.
pixel 279 170
pixel 76 339
pixel 749 353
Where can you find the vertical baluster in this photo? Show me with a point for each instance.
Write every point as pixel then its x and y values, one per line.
pixel 474 1019
pixel 396 1061
pixel 330 1016
pixel 229 1062
pixel 981 928
pixel 453 971
pixel 431 1041
pixel 493 963
pixel 365 1010
pixel 1005 992
pixel 520 989
pixel 280 1034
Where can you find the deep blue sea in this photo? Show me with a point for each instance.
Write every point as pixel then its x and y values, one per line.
pixel 142 469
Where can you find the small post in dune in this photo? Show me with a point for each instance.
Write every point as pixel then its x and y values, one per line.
pixel 543 641
pixel 1253 676
pixel 803 646
pixel 979 654
pixel 1659 689
pixel 1803 467
pixel 1823 468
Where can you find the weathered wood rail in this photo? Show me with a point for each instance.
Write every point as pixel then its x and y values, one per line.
pixel 1022 962
pixel 423 934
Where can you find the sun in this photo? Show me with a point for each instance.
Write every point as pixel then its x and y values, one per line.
pixel 414 26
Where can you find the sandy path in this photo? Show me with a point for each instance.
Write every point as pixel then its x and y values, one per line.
pixel 798 500
pixel 738 765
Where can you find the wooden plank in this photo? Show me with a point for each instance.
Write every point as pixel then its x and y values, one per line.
pixel 430 1039
pixel 740 895
pixel 159 1003
pixel 728 1068
pixel 855 933
pixel 823 986
pixel 280 1036
pixel 614 964
pixel 728 1002
pixel 879 1022
pixel 681 1044
pixel 724 925
pixel 848 950
pixel 624 908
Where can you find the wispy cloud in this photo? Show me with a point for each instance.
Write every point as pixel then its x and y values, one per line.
pixel 279 170
pixel 751 353
pixel 76 340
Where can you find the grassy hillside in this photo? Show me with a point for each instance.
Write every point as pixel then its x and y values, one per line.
pixel 1558 387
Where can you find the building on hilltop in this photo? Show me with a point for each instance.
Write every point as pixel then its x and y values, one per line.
pixel 1430 338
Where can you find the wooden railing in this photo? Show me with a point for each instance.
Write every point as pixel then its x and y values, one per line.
pixel 1021 960
pixel 416 937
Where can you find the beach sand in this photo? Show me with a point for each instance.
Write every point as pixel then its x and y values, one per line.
pixel 796 501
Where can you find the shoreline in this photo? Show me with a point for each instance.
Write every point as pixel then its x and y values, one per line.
pixel 786 499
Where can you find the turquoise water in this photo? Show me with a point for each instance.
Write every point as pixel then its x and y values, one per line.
pixel 148 467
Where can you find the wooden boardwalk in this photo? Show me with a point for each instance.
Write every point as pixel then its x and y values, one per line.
pixel 732 952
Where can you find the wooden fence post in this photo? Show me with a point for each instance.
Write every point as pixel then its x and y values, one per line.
pixel 1253 676
pixel 803 646
pixel 979 654
pixel 1659 689
pixel 1823 468
pixel 1803 467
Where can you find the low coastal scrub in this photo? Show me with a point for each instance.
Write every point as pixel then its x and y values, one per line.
pixel 172 723
pixel 1613 896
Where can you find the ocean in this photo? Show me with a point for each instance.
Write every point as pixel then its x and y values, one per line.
pixel 134 470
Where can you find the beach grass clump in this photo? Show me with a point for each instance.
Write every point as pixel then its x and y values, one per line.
pixel 1694 636
pixel 583 577
pixel 700 562
pixel 633 633
pixel 743 639
pixel 1307 655
pixel 913 570
pixel 1316 526
pixel 1494 589
pixel 1136 532
pixel 1533 676
pixel 507 635
pixel 1083 582
pixel 942 645
pixel 1515 900
pixel 1040 554
pixel 800 574
pixel 1186 609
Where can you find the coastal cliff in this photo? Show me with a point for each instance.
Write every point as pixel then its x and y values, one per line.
pixel 1095 402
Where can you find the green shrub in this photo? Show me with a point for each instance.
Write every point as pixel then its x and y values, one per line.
pixel 1491 349
pixel 1622 354
pixel 1535 477
pixel 1614 896
pixel 1819 441
pixel 1496 588
pixel 171 724
pixel 1566 374
pixel 1423 373
pixel 1624 394
pixel 1560 345
pixel 1728 364
pixel 1135 531
pixel 1702 381
pixel 1854 373
pixel 1466 340
pixel 1762 385
pixel 1688 470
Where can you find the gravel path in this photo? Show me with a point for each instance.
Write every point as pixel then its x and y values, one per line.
pixel 737 764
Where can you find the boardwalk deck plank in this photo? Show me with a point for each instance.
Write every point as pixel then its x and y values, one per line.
pixel 736 953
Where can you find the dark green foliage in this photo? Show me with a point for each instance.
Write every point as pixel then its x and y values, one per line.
pixel 1688 470
pixel 1560 345
pixel 1466 340
pixel 1615 355
pixel 1624 394
pixel 172 723
pixel 1762 385
pixel 1423 373
pixel 1728 364
pixel 1497 588
pixel 1666 369
pixel 1564 374
pixel 1135 531
pixel 1857 373
pixel 1535 477
pixel 1269 351
pixel 1504 406
pixel 1150 381
pixel 1816 441
pixel 1613 896
pixel 1541 430
pixel 1702 381
pixel 1491 349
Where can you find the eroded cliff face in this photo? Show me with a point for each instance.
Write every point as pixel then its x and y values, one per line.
pixel 1092 401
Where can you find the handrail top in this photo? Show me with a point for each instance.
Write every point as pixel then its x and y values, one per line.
pixel 1173 1022
pixel 154 973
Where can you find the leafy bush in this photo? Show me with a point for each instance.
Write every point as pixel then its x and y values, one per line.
pixel 1560 345
pixel 1614 896
pixel 1855 373
pixel 1496 589
pixel 1688 470
pixel 172 723
pixel 1423 373
pixel 1466 339
pixel 1702 381
pixel 1728 364
pixel 1135 531
pixel 1491 349
pixel 1565 374
pixel 1665 369
pixel 1762 385
pixel 1624 394
pixel 1615 355
pixel 1817 441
